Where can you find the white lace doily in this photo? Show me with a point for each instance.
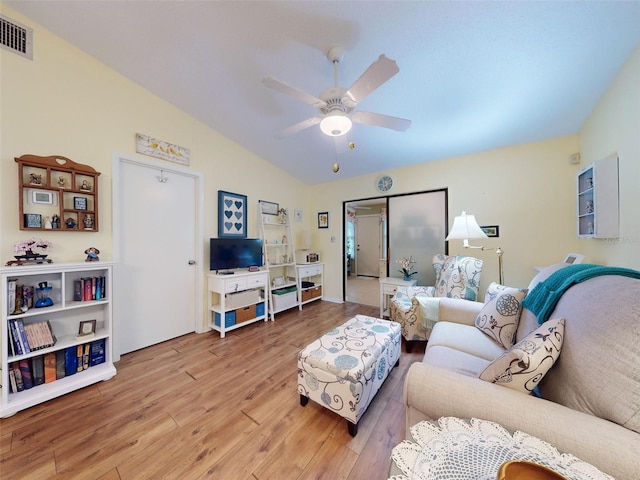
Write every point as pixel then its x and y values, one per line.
pixel 474 450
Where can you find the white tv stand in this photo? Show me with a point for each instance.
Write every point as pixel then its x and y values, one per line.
pixel 225 315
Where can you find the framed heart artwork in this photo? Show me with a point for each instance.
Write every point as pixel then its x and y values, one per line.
pixel 232 214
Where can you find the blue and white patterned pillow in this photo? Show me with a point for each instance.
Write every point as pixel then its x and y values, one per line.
pixel 500 315
pixel 526 363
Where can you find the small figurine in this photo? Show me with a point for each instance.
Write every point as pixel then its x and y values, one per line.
pixel 589 206
pixel 61 182
pixel 85 185
pixel 70 222
pixel 88 222
pixel 35 179
pixel 55 221
pixel 47 223
pixel 92 254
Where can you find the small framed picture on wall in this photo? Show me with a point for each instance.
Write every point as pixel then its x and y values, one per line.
pixel 323 219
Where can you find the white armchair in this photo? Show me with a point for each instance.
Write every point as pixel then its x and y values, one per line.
pixel 416 308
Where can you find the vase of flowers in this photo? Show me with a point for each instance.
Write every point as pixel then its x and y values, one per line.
pixel 407 265
pixel 26 247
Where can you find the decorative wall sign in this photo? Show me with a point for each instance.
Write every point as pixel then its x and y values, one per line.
pixel 164 150
pixel 232 214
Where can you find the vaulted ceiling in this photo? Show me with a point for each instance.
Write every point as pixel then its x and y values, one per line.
pixel 473 75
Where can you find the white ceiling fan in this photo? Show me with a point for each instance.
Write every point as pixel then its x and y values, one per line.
pixel 336 104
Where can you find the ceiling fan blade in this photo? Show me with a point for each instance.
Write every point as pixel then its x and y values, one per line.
pixel 293 129
pixel 386 121
pixel 282 87
pixel 378 72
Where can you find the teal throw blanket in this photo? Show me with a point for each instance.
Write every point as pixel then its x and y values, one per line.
pixel 543 298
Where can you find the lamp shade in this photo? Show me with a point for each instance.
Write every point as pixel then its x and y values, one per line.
pixel 335 124
pixel 464 227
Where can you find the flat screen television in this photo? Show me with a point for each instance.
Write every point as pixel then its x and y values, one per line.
pixel 232 253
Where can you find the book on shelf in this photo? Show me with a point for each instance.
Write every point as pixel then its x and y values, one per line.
pixel 23 336
pixel 12 283
pixel 77 290
pixel 87 289
pixel 16 338
pixel 60 364
pixel 98 352
pixel 37 370
pixel 37 335
pixel 25 370
pixel 13 341
pixel 50 367
pixel 79 354
pixel 13 387
pixel 70 361
pixel 27 296
pixel 19 384
pixel 85 356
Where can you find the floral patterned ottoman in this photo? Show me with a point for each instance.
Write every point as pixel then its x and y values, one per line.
pixel 345 368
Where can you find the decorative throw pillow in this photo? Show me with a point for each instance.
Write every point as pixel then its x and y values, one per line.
pixel 500 315
pixel 526 363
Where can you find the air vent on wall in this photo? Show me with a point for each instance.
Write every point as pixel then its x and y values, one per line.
pixel 16 38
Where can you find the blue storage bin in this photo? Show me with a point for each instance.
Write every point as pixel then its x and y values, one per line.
pixel 229 319
pixel 259 309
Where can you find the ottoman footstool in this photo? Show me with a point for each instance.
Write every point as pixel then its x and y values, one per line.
pixel 345 368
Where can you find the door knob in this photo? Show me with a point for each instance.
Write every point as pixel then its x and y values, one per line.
pixel 192 262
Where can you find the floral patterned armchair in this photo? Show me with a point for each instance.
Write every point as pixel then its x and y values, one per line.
pixel 416 308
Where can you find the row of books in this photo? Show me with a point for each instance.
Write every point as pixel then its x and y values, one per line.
pixel 28 337
pixel 52 366
pixel 89 288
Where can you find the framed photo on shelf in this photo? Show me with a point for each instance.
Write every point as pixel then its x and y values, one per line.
pixel 232 214
pixel 323 219
pixel 87 328
pixel 80 203
pixel 269 208
pixel 32 220
pixel 491 230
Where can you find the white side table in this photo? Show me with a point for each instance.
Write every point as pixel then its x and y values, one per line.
pixel 388 287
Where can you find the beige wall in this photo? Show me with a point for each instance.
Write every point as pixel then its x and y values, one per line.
pixel 614 126
pixel 65 102
pixel 528 190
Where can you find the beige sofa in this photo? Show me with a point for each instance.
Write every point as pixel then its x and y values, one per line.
pixel 591 405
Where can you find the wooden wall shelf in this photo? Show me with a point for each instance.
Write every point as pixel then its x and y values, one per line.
pixel 57 194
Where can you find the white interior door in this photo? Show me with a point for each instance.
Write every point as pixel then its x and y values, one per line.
pixel 158 273
pixel 368 245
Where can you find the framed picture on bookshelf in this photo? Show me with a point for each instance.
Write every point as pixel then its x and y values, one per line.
pixel 232 214
pixel 86 328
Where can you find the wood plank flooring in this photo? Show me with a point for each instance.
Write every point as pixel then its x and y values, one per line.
pixel 201 407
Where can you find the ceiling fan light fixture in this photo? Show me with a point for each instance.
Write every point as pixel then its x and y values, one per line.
pixel 335 124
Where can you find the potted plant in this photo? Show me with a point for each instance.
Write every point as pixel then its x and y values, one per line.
pixel 407 266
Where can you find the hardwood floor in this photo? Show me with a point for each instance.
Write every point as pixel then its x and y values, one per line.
pixel 204 407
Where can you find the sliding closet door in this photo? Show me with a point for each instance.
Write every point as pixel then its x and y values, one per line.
pixel 417 227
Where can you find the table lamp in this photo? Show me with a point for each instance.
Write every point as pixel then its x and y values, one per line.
pixel 465 227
